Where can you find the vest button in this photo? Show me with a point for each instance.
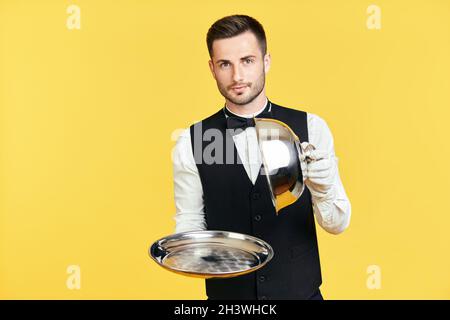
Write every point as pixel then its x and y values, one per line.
pixel 258 217
pixel 255 196
pixel 262 278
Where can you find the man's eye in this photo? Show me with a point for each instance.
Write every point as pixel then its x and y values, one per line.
pixel 248 61
pixel 225 64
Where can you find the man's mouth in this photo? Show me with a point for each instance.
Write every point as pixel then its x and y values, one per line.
pixel 239 88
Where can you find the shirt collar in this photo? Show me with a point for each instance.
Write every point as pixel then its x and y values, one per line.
pixel 266 104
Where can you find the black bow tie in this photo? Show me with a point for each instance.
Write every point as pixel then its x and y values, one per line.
pixel 236 122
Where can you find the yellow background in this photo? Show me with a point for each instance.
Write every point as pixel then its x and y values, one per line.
pixel 89 118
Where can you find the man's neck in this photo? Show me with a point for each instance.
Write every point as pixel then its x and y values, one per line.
pixel 256 106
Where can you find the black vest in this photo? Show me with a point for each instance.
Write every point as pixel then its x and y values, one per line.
pixel 233 203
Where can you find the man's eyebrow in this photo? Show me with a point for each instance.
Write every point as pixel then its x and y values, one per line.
pixel 243 58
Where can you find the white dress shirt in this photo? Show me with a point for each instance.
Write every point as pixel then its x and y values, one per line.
pixel 332 213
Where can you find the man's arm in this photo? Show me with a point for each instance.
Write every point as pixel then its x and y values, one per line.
pixel 188 189
pixel 330 202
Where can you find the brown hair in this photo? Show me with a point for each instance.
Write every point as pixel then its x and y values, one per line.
pixel 234 25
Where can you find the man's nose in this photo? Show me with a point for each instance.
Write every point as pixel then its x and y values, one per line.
pixel 237 74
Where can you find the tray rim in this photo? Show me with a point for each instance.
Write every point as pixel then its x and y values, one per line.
pixel 233 235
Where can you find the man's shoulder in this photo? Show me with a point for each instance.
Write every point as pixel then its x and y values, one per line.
pixel 289 114
pixel 314 120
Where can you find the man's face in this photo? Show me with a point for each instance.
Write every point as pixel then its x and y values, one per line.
pixel 239 68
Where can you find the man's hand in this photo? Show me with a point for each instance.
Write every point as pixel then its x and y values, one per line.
pixel 320 172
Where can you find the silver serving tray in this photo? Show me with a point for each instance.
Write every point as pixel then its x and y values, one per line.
pixel 211 254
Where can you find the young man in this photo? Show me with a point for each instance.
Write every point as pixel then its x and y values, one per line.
pixel 235 196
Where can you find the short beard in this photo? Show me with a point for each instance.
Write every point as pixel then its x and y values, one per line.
pixel 255 90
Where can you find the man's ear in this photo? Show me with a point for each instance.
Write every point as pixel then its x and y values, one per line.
pixel 267 61
pixel 211 67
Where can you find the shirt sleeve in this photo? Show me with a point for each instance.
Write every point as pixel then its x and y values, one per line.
pixel 332 212
pixel 188 190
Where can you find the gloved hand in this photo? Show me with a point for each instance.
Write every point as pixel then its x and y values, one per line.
pixel 319 172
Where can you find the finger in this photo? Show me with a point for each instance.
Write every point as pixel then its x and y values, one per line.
pixel 319 154
pixel 321 181
pixel 304 144
pixel 318 188
pixel 318 174
pixel 320 165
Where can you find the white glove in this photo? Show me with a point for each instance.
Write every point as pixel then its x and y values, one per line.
pixel 320 173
